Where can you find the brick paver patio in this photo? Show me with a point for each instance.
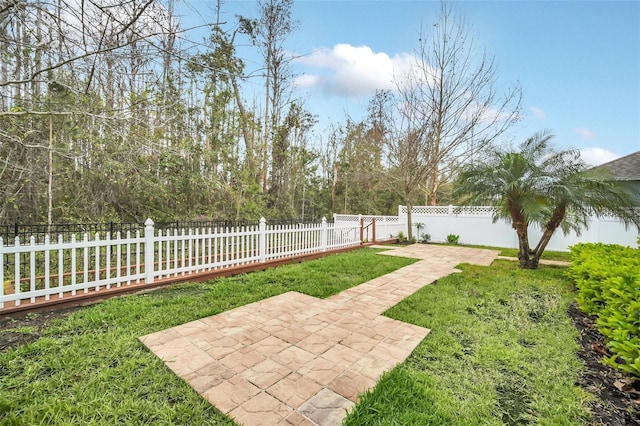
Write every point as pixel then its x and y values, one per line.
pixel 294 359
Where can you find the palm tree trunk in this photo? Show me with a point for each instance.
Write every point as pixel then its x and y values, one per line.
pixel 551 226
pixel 520 225
pixel 523 246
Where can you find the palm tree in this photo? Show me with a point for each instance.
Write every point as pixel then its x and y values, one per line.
pixel 540 185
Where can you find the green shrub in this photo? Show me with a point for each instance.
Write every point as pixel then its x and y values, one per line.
pixel 453 239
pixel 608 282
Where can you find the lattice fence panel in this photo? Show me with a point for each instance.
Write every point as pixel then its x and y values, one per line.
pixel 475 210
pixel 429 210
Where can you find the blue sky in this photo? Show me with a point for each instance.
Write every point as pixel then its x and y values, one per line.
pixel 578 62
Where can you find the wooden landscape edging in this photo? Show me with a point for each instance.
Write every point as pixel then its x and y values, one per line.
pixel 56 303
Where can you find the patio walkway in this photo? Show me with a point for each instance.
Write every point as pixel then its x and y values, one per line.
pixel 294 359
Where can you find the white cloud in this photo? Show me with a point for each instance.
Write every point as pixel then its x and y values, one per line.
pixel 585 133
pixel 538 113
pixel 353 71
pixel 306 80
pixel 595 156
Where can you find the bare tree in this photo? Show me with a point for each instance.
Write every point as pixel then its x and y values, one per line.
pixel 269 32
pixel 411 153
pixel 73 75
pixel 453 91
pixel 330 164
pixel 447 109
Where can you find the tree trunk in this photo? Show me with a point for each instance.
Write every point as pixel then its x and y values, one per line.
pixel 551 226
pixel 520 224
pixel 530 263
pixel 334 184
pixel 38 54
pixel 246 133
pixel 50 175
pixel 409 221
pixel 433 186
pixel 524 252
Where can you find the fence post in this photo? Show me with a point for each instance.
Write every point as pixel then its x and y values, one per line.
pixel 402 219
pixel 373 230
pixel 263 240
pixel 1 273
pixel 452 228
pixel 323 234
pixel 149 268
pixel 384 226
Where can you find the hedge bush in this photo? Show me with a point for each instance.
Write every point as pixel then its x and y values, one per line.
pixel 608 280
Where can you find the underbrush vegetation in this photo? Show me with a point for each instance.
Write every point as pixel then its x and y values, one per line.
pixel 608 281
pixel 501 352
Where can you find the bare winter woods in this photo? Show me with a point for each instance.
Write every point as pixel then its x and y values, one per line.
pixel 109 111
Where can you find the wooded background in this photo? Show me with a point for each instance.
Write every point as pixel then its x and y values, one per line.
pixel 108 113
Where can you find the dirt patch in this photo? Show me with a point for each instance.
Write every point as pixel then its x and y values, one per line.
pixel 513 401
pixel 618 396
pixel 24 329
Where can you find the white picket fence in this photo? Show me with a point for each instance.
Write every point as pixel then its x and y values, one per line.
pixel 474 225
pixel 64 268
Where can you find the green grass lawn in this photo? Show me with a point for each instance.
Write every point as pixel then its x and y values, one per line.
pixel 90 368
pixel 501 351
pixel 564 256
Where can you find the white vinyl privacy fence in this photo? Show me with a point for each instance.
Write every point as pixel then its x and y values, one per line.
pixel 474 225
pixel 385 227
pixel 60 268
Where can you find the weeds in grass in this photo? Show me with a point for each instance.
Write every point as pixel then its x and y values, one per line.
pixel 23 330
pixel 501 352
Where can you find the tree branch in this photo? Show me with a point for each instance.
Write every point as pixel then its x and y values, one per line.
pixel 77 58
